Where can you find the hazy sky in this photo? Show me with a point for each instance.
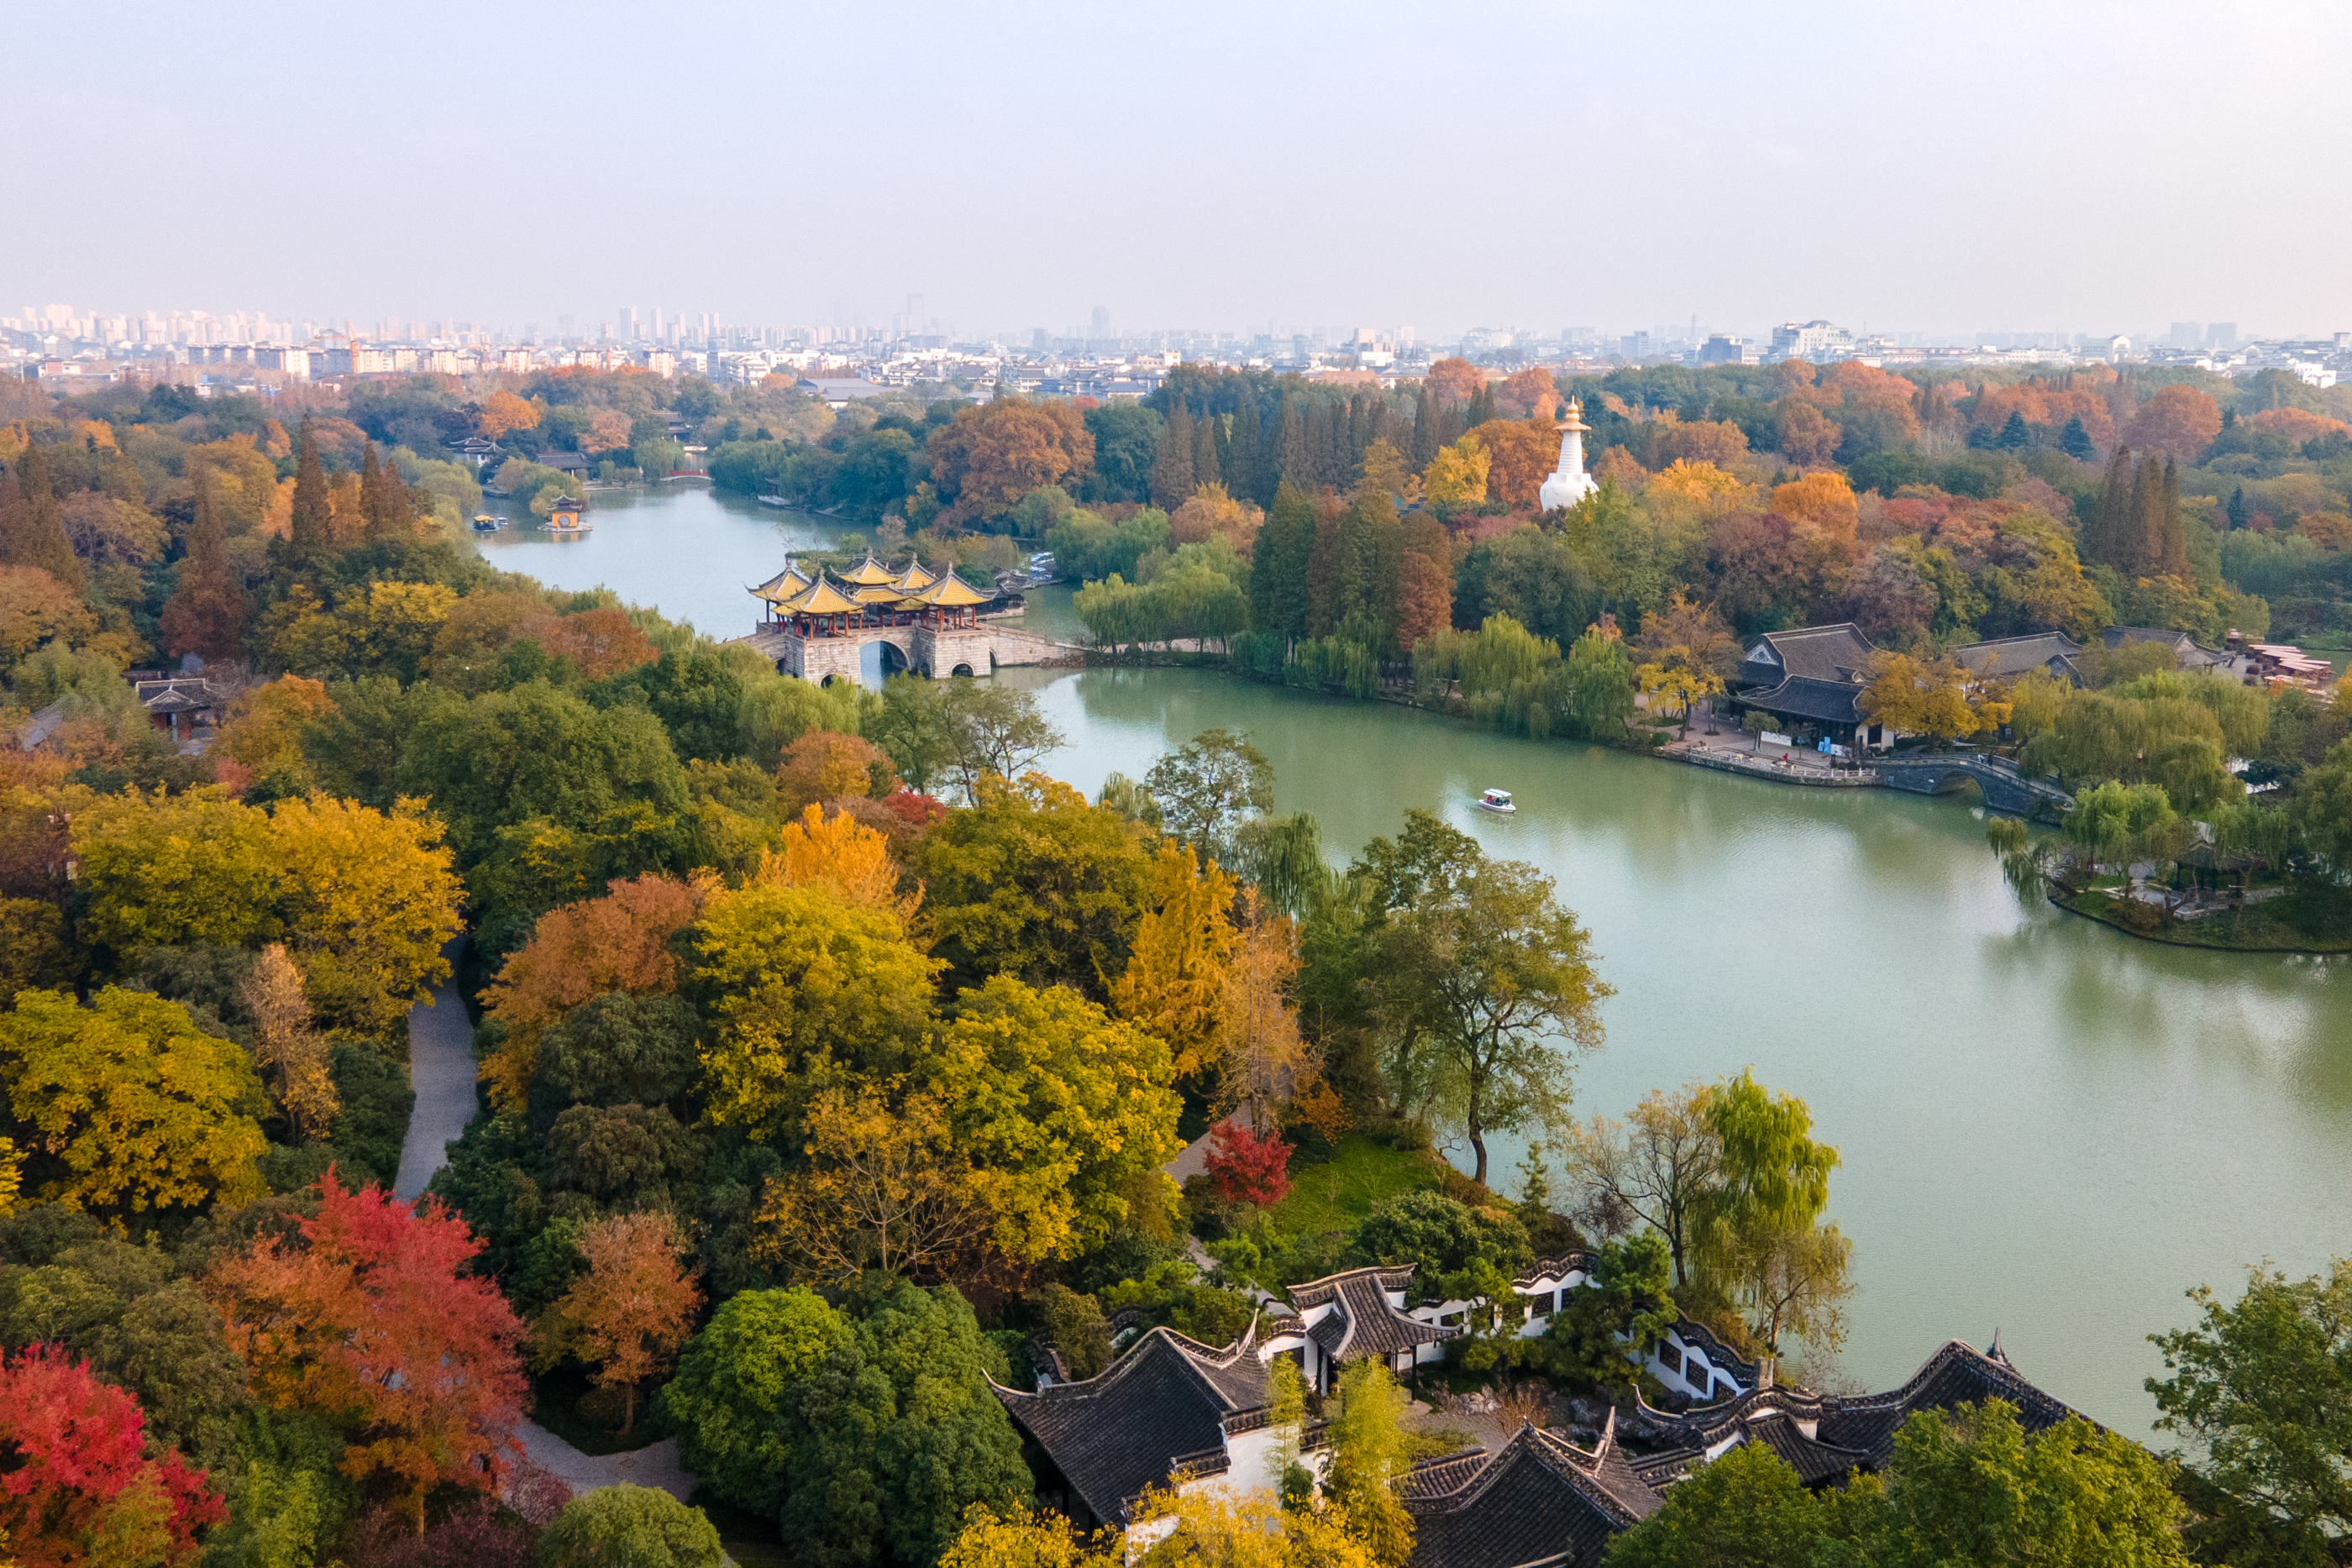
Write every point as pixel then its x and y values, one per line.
pixel 1942 168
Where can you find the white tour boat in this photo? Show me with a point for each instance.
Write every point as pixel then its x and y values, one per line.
pixel 1497 801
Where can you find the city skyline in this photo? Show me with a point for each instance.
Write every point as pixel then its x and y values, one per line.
pixel 1531 167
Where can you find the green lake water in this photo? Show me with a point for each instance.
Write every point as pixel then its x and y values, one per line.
pixel 2048 1128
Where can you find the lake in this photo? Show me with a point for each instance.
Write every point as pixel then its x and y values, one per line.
pixel 2048 1129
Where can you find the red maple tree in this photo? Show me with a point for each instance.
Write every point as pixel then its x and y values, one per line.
pixel 370 1321
pixel 1246 1168
pixel 80 1488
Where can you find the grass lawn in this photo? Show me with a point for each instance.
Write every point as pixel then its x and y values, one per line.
pixel 2306 920
pixel 1360 1173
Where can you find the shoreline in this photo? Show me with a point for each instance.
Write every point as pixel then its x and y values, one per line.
pixel 2169 937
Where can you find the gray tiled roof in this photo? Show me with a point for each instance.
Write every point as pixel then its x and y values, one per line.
pixel 1120 1433
pixel 1800 697
pixel 1856 1430
pixel 1373 1327
pixel 1540 1499
pixel 1837 652
pixel 2015 655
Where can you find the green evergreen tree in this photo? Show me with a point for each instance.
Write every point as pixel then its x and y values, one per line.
pixel 2102 540
pixel 2014 437
pixel 1206 470
pixel 313 525
pixel 899 1433
pixel 1295 460
pixel 2172 538
pixel 1278 565
pixel 2075 441
pixel 383 499
pixel 2237 507
pixel 1424 430
pixel 207 613
pixel 1172 469
pixel 33 526
pixel 1481 407
pixel 1244 454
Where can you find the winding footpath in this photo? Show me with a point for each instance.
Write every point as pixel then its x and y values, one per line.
pixel 441 1069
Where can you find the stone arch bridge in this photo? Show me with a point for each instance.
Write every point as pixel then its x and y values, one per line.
pixel 2006 789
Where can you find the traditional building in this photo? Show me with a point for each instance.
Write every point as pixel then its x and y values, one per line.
pixel 1568 483
pixel 1812 676
pixel 1356 1316
pixel 1538 1499
pixel 1169 1413
pixel 1541 1501
pixel 2006 658
pixel 817 628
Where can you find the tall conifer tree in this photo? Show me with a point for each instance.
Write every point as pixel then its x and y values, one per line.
pixel 1324 562
pixel 1171 468
pixel 33 526
pixel 1424 430
pixel 1278 565
pixel 1296 461
pixel 1206 470
pixel 2103 534
pixel 1242 461
pixel 313 528
pixel 206 613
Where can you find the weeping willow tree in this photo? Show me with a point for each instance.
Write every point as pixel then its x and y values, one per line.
pixel 1505 676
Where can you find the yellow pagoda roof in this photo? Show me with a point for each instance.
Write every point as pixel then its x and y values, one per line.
pixel 781 586
pixel 914 580
pixel 879 593
pixel 819 598
pixel 867 572
pixel 949 592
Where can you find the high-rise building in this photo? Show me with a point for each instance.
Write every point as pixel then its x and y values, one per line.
pixel 2221 334
pixel 1099 329
pixel 2186 335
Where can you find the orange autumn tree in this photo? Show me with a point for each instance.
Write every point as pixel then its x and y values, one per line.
pixel 616 943
pixel 1454 380
pixel 2179 422
pixel 990 456
pixel 1424 581
pixel 1530 392
pixel 600 642
pixel 1520 455
pixel 503 411
pixel 629 1313
pixel 372 1322
pixel 1175 979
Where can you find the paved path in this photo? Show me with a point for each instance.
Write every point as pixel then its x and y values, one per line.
pixel 441 1069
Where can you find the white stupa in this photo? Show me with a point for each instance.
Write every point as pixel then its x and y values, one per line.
pixel 1568 483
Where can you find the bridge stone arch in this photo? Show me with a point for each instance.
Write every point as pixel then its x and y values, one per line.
pixel 2004 788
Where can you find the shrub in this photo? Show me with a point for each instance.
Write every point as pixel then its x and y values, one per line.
pixel 629 1526
pixel 1245 1167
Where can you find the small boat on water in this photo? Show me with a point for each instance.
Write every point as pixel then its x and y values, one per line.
pixel 774 501
pixel 486 523
pixel 1498 801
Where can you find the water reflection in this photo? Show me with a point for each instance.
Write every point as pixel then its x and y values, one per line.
pixel 2048 1128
